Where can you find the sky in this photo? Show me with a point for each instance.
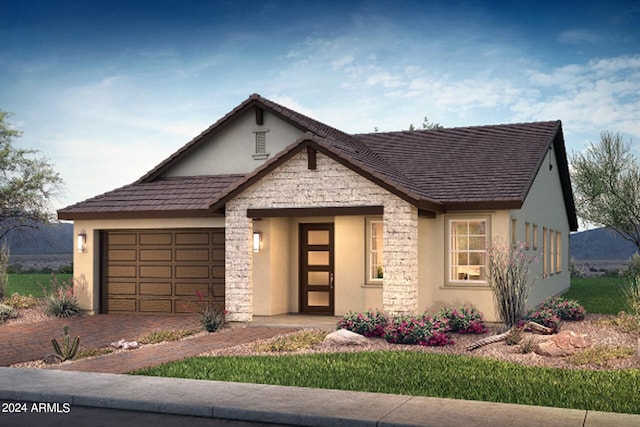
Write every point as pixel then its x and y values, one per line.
pixel 106 90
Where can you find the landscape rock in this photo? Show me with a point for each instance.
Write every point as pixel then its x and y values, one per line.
pixel 563 344
pixel 345 337
pixel 125 345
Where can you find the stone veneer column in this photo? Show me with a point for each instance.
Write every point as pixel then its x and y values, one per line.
pixel 238 264
pixel 400 289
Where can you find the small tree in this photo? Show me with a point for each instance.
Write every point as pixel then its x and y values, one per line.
pixel 606 183
pixel 510 281
pixel 28 184
pixel 426 124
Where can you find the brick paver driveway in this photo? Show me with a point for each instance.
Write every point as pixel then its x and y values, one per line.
pixel 32 341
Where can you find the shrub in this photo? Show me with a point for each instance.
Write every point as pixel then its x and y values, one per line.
pixel 544 317
pixel 463 320
pixel 600 355
pixel 156 337
pixel 631 287
pixel 212 318
pixel 7 312
pixel 564 309
pixel 515 335
pixel 369 324
pixel 528 344
pixel 60 299
pixel 422 330
pixel 21 301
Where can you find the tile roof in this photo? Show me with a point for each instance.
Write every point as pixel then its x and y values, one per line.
pixel 477 167
pixel 165 197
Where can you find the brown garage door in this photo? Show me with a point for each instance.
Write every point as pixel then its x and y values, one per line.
pixel 162 271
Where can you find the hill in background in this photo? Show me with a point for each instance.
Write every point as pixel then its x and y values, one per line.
pixel 600 244
pixel 54 239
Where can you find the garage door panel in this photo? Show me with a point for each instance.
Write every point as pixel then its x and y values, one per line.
pixel 192 238
pixel 115 305
pixel 192 289
pixel 127 271
pixel 162 271
pixel 164 289
pixel 123 239
pixel 157 271
pixel 192 255
pixel 155 305
pixel 122 288
pixel 123 255
pixel 156 238
pixel 155 254
pixel 192 272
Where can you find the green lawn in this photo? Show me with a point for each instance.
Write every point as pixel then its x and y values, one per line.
pixel 424 374
pixel 449 376
pixel 598 294
pixel 31 284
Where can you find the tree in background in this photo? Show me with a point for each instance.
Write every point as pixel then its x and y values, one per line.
pixel 426 124
pixel 606 180
pixel 28 184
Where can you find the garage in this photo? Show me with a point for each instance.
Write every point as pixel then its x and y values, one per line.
pixel 162 271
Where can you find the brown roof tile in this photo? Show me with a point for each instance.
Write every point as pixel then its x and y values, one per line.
pixel 447 169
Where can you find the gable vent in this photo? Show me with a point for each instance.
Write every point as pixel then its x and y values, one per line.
pixel 261 145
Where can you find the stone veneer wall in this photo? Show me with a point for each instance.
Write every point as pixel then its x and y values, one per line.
pixel 293 185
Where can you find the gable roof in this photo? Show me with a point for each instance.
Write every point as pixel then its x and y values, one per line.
pixel 481 167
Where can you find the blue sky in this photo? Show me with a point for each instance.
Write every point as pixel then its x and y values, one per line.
pixel 108 89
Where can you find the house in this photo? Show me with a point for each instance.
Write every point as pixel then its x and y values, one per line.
pixel 269 212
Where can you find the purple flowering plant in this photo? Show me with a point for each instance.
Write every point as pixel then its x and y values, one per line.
pixel 370 323
pixel 564 309
pixel 545 317
pixel 464 320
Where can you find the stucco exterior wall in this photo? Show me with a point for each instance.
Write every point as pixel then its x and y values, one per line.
pixel 544 207
pixel 292 185
pixel 231 150
pixel 86 265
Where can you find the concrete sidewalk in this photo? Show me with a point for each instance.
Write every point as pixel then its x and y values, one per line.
pixel 282 405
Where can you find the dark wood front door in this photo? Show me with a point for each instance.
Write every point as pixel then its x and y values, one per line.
pixel 316 269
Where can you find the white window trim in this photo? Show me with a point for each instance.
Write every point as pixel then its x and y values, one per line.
pixel 449 281
pixel 368 253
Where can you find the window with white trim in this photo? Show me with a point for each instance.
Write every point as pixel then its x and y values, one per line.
pixel 467 247
pixel 374 251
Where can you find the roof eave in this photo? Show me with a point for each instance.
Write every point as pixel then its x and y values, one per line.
pixel 136 214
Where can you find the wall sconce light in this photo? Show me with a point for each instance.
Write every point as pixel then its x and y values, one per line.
pixel 82 241
pixel 257 241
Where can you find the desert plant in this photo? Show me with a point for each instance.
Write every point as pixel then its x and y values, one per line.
pixel 69 347
pixel 528 344
pixel 212 318
pixel 7 312
pixel 600 355
pixel 21 301
pixel 60 299
pixel 4 268
pixel 370 324
pixel 514 336
pixel 631 286
pixel 510 281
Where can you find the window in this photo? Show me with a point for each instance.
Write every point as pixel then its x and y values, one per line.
pixel 374 250
pixel 552 251
pixel 558 252
pixel 261 144
pixel 535 237
pixel 545 252
pixel 468 241
pixel 514 231
pixel 527 235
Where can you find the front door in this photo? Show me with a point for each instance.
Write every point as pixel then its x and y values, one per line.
pixel 316 269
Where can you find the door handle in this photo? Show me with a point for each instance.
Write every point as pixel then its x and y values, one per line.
pixel 331 280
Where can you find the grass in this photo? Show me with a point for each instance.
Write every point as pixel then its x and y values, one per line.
pixel 598 294
pixel 424 374
pixel 31 284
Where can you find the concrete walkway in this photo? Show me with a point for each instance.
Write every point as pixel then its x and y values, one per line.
pixel 280 405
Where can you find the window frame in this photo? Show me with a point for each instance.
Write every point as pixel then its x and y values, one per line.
pixel 368 279
pixel 450 281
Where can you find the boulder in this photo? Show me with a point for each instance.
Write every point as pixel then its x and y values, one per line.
pixel 563 344
pixel 345 337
